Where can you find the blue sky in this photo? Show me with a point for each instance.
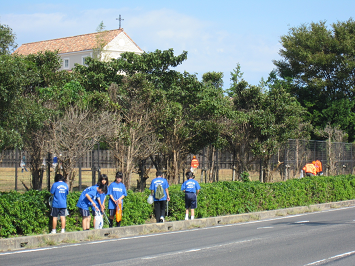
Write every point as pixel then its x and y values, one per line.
pixel 216 34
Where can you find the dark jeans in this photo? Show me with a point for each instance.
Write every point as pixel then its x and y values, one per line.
pixel 159 209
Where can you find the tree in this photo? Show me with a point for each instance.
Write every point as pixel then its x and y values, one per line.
pixel 334 136
pixel 279 118
pixel 31 120
pixel 11 83
pixel 97 75
pixel 24 115
pixel 217 107
pixel 156 68
pixel 320 63
pixel 100 42
pixel 7 40
pixel 75 133
pixel 133 139
pixel 237 128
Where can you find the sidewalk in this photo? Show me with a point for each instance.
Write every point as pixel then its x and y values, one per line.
pixel 28 242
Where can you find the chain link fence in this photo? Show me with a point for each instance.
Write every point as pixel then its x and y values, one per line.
pixel 337 158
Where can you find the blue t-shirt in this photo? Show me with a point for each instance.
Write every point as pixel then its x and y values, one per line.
pixel 190 185
pixel 154 185
pixel 83 201
pixel 116 190
pixel 99 196
pixel 60 191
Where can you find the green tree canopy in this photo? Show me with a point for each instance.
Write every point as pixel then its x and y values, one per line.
pixel 7 40
pixel 320 62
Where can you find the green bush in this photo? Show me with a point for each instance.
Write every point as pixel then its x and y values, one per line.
pixel 29 213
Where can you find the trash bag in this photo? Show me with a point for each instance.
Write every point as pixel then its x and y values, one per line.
pixel 99 221
pixel 119 213
pixel 150 199
pixel 50 201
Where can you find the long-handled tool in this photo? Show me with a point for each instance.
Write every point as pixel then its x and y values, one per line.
pixel 106 217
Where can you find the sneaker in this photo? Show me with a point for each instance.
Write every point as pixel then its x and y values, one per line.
pixel 53 231
pixel 192 217
pixel 62 231
pixel 162 219
pixel 186 218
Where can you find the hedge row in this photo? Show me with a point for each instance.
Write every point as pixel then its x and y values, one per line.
pixel 29 213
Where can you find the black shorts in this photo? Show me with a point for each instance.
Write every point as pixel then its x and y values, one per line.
pixel 94 211
pixel 190 200
pixel 58 212
pixel 112 212
pixel 84 213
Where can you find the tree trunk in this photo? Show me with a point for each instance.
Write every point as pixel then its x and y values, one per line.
pixel 212 162
pixel 175 167
pixel 36 179
pixel 266 169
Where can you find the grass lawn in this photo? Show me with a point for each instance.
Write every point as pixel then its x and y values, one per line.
pixel 7 178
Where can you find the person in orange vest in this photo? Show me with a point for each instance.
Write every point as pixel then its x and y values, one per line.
pixel 194 164
pixel 310 169
pixel 318 166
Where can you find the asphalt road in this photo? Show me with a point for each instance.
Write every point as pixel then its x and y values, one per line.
pixel 320 238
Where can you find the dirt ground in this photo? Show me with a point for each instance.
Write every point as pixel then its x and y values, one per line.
pixel 7 178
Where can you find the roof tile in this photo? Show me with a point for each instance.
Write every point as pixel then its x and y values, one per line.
pixel 68 44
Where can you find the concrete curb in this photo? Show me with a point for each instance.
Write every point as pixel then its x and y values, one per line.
pixel 26 242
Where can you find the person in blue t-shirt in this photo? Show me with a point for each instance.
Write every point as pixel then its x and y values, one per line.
pixel 23 163
pixel 191 188
pixel 86 200
pixel 55 162
pixel 116 191
pixel 100 200
pixel 59 190
pixel 160 204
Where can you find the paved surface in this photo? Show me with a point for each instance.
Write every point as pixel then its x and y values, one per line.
pixel 319 238
pixel 325 236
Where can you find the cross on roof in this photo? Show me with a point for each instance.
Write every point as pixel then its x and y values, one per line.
pixel 119 19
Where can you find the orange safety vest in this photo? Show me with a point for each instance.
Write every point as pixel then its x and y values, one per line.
pixel 194 163
pixel 318 166
pixel 310 168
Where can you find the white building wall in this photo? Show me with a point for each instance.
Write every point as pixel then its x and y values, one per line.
pixel 119 45
pixel 74 58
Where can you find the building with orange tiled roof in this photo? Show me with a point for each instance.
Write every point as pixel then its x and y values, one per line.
pixel 73 50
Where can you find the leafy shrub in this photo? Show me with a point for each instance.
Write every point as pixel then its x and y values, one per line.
pixel 245 177
pixel 29 213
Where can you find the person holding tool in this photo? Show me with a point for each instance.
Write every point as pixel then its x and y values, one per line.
pixel 87 199
pixel 117 191
pixel 100 200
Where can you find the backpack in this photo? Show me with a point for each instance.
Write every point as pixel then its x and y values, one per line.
pixel 159 193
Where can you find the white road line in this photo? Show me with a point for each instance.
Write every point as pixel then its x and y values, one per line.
pixel 301 222
pixel 265 227
pixel 199 249
pixel 174 232
pixel 38 249
pixel 318 262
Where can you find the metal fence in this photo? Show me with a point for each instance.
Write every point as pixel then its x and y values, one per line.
pixel 337 158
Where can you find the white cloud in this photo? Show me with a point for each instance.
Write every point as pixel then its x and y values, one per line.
pixel 210 47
